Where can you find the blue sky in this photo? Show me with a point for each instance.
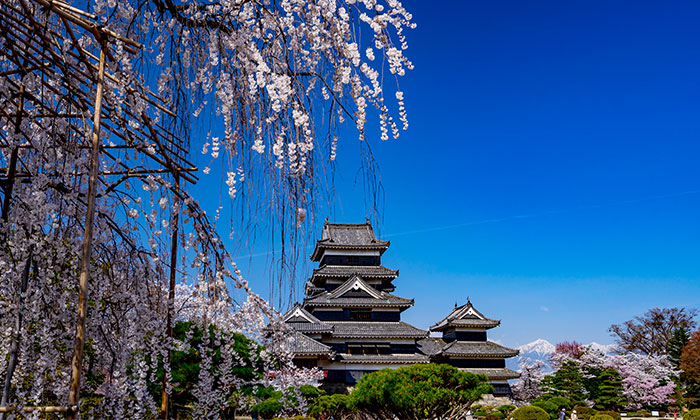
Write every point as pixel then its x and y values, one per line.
pixel 550 171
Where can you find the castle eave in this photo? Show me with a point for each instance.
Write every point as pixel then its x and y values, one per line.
pixel 401 359
pixel 494 374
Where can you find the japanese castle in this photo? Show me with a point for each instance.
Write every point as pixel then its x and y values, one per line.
pixel 349 322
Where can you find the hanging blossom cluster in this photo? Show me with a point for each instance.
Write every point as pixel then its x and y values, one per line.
pixel 269 72
pixel 279 76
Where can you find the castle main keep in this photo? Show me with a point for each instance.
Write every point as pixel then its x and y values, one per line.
pixel 349 322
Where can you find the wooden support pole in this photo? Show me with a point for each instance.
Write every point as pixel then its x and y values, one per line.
pixel 164 406
pixel 30 409
pixel 77 362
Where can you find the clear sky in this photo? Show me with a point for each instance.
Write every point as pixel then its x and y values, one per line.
pixel 550 171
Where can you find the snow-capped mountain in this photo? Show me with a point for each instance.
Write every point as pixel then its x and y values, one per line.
pixel 605 348
pixel 540 349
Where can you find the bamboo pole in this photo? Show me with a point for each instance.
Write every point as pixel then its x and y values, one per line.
pixel 30 409
pixel 77 362
pixel 164 406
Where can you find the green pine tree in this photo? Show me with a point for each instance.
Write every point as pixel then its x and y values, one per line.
pixel 566 382
pixel 609 393
pixel 675 345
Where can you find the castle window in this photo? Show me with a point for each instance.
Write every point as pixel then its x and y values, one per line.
pixel 360 314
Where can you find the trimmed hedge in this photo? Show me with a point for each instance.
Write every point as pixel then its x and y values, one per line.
pixel 601 417
pixel 294 418
pixel 584 412
pixel 693 414
pixel 530 412
pixel 548 406
pixel 561 402
pixel 506 409
pixel 615 415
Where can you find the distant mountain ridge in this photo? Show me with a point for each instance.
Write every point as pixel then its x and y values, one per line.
pixel 545 348
pixel 540 349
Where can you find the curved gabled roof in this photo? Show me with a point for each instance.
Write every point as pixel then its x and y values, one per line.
pixel 297 314
pixel 465 316
pixel 301 320
pixel 346 236
pixel 355 292
pixel 301 345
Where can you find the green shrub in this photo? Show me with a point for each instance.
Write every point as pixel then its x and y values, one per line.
pixel 547 406
pixel 506 409
pixel 530 412
pixel 294 418
pixel 601 417
pixel 615 415
pixel 329 406
pixel 310 392
pixel 498 414
pixel 268 408
pixel 479 414
pixel 643 413
pixel 584 412
pixel 476 407
pixel 561 402
pixel 693 414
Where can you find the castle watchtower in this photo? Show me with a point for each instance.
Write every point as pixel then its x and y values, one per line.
pixel 464 344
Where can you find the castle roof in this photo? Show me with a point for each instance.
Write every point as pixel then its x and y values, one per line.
pixel 355 292
pixel 477 349
pixel 494 373
pixel 303 321
pixel 430 346
pixel 465 316
pixel 402 359
pixel 374 329
pixel 348 236
pixel 433 346
pixel 366 271
pixel 301 345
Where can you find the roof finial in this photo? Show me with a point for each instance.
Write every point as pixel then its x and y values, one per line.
pixel 469 302
pixel 367 219
pixel 455 304
pixel 326 219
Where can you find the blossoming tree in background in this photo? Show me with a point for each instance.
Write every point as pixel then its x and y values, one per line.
pixel 527 387
pixel 102 103
pixel 642 381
